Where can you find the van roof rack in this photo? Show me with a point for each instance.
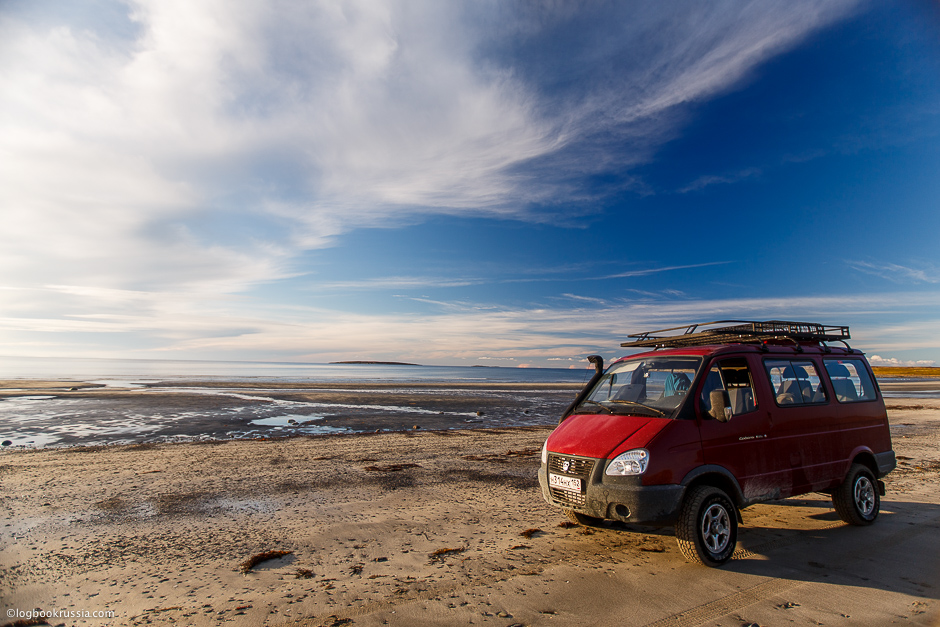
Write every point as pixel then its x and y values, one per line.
pixel 739 332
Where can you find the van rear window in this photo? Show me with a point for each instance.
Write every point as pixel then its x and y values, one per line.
pixel 850 380
pixel 795 382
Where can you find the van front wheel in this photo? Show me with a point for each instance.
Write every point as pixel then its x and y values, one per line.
pixel 856 500
pixel 707 529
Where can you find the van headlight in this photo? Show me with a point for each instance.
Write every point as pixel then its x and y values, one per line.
pixel 545 453
pixel 630 463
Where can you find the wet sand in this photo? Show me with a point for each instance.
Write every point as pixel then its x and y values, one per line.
pixel 67 413
pixel 434 528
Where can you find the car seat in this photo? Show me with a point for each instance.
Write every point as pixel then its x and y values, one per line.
pixel 742 400
pixel 842 385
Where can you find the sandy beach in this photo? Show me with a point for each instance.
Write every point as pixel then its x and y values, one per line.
pixel 433 528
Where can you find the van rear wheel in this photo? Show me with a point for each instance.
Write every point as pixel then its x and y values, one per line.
pixel 856 500
pixel 707 529
pixel 583 519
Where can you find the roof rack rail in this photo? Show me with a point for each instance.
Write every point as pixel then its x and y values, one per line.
pixel 739 332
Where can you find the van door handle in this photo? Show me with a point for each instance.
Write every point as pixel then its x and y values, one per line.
pixel 770 418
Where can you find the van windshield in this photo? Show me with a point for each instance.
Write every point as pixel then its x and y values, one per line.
pixel 652 386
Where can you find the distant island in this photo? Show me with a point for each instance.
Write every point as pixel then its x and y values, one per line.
pixel 376 363
pixel 930 372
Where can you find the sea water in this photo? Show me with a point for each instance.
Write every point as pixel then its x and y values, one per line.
pixel 131 370
pixel 255 406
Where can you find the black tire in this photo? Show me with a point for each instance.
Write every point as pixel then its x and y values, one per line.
pixel 856 500
pixel 583 519
pixel 707 529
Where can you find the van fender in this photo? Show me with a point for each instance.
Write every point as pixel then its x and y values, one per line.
pixel 863 455
pixel 720 477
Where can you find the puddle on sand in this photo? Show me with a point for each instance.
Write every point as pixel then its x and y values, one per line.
pixel 290 420
pixel 117 383
pixel 294 423
pixel 30 440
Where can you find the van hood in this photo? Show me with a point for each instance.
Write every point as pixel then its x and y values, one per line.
pixel 598 435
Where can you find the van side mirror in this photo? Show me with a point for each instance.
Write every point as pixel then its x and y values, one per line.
pixel 721 405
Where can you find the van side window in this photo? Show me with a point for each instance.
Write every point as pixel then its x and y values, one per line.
pixel 795 382
pixel 734 376
pixel 850 380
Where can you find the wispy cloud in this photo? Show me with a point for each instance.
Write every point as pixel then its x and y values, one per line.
pixel 418 282
pixel 203 146
pixel 724 179
pixel 898 273
pixel 399 282
pixel 584 299
pixel 648 271
pixel 169 325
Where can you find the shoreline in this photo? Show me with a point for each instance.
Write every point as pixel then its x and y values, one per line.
pixel 67 413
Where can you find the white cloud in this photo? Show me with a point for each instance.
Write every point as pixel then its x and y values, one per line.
pixel 877 360
pixel 171 325
pixel 200 146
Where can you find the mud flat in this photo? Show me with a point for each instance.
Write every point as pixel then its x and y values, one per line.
pixel 433 528
pixel 36 414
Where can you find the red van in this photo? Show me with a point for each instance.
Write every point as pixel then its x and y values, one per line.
pixel 719 416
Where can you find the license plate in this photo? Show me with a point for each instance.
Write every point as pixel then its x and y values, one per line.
pixel 572 484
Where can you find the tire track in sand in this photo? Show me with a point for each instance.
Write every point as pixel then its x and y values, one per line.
pixel 773 587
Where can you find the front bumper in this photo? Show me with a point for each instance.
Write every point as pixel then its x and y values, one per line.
pixel 617 498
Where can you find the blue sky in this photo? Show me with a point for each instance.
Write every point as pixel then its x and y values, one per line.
pixel 463 183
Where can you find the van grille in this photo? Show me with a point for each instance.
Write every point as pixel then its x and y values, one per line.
pixel 564 496
pixel 576 467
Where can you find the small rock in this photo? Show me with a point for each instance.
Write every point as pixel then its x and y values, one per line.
pixel 415 427
pixel 7 442
pixel 479 413
pixel 504 614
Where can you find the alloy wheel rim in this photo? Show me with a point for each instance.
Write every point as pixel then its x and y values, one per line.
pixel 716 528
pixel 864 496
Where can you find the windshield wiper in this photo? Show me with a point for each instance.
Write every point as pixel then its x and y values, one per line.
pixel 604 407
pixel 658 411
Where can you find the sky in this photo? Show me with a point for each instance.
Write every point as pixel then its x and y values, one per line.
pixel 461 183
